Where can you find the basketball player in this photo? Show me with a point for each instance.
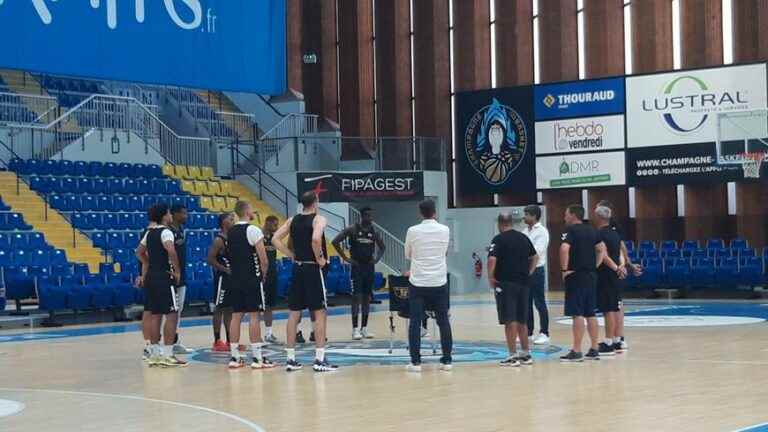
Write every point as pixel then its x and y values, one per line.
pixel 539 236
pixel 580 253
pixel 219 262
pixel 609 273
pixel 249 264
pixel 363 242
pixel 160 273
pixel 146 315
pixel 308 285
pixel 511 260
pixel 179 216
pixel 271 224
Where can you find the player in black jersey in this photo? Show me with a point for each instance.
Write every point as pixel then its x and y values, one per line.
pixel 363 242
pixel 609 274
pixel 160 274
pixel 146 315
pixel 271 224
pixel 178 220
pixel 249 264
pixel 308 285
pixel 219 262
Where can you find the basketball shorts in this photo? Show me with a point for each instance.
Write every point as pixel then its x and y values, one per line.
pixel 270 287
pixel 580 294
pixel 222 288
pixel 512 302
pixel 363 279
pixel 160 294
pixel 608 297
pixel 307 288
pixel 247 295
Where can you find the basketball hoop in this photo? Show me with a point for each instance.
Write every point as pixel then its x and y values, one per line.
pixel 751 164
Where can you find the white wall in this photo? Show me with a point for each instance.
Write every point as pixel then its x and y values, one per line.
pixel 96 146
pixel 25 142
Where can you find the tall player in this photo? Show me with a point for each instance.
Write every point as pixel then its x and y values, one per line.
pixel 308 287
pixel 271 224
pixel 219 262
pixel 249 264
pixel 179 219
pixel 363 242
pixel 160 274
pixel 609 274
pixel 146 315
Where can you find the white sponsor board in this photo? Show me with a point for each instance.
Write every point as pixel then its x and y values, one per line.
pixel 681 107
pixel 582 170
pixel 580 135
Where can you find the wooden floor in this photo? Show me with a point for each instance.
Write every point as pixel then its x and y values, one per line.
pixel 692 378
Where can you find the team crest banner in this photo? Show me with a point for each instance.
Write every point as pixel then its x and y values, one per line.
pixel 494 140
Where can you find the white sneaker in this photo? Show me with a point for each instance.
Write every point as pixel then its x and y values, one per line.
pixel 541 339
pixel 413 368
pixel 424 333
pixel 356 334
pixel 366 334
pixel 624 345
pixel 181 349
pixel 446 367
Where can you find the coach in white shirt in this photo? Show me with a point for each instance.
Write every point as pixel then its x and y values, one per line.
pixel 426 246
pixel 539 236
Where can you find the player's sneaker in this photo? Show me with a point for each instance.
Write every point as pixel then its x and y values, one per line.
pixel 236 363
pixel 572 357
pixel 324 366
pixel 271 339
pixel 265 363
pixel 525 359
pixel 445 367
pixel 624 345
pixel 510 362
pixel 172 362
pixel 541 339
pixel 424 333
pixel 592 354
pixel 293 365
pixel 154 360
pixel 617 348
pixel 146 354
pixel 366 334
pixel 356 334
pixel 300 338
pixel 220 346
pixel 413 368
pixel 181 349
pixel 606 350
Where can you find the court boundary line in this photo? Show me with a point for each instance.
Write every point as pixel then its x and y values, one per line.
pixel 247 423
pixel 751 428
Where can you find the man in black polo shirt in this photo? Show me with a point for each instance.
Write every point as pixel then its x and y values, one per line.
pixel 511 260
pixel 580 253
pixel 609 274
pixel 179 219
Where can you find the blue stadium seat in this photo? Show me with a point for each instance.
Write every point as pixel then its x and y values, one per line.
pixel 5 241
pixel 193 238
pixel 212 221
pixel 667 245
pixel 103 203
pixel 110 169
pixel 144 186
pixel 79 168
pixel 653 271
pixel 678 272
pixel 52 167
pixel 58 202
pixel 179 199
pixel 21 257
pixel 39 184
pixel 78 297
pixel 715 244
pixel 154 171
pixel 52 297
pixel 67 168
pixel 68 184
pixel 672 253
pixel 174 187
pixel 5 258
pixel 37 240
pixel 195 221
pixel 19 241
pixel 647 245
pixel 727 274
pixel 4 225
pixel 206 238
pixel 193 204
pixel 197 253
pixel 139 170
pixel 99 186
pixel 34 167
pixel 106 269
pixel 650 253
pixel 73 202
pixel 738 244
pixel 120 203
pixel 125 220
pixel 16 221
pixel 700 254
pixel 720 253
pixel 99 239
pixel 115 186
pixel 122 255
pixel 130 186
pixel 61 271
pixel 115 241
pixel 81 270
pixel 124 170
pixel 159 186
pixel 131 240
pixel 751 272
pixel 108 222
pixel 747 253
pixel 59 257
pixel 38 272
pixel 89 203
pixel 39 257
pixel 95 169
pixel 703 272
pixel 18 166
pixel 134 203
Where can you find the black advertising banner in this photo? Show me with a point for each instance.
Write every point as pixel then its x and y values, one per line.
pixel 678 164
pixel 495 141
pixel 363 187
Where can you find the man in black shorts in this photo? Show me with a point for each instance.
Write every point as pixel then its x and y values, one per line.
pixel 219 262
pixel 178 220
pixel 308 286
pixel 580 253
pixel 511 260
pixel 363 242
pixel 270 285
pixel 249 264
pixel 609 274
pixel 160 274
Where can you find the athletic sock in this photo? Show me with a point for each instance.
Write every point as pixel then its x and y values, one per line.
pixel 319 354
pixel 617 339
pixel 256 350
pixel 268 331
pixel 609 341
pixel 167 350
pixel 216 336
pixel 233 349
pixel 291 353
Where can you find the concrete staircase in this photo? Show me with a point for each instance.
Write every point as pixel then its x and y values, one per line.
pixel 24 83
pixel 57 230
pixel 221 103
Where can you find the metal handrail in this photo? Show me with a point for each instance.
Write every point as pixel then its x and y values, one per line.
pixel 394 252
pixel 295 124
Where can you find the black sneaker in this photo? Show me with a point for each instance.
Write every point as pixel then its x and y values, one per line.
pixel 293 365
pixel 572 357
pixel 300 338
pixel 324 366
pixel 509 362
pixel 618 348
pixel 606 350
pixel 525 359
pixel 593 354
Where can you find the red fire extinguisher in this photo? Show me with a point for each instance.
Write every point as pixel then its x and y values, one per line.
pixel 478 265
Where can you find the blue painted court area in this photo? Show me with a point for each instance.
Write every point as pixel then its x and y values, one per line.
pixel 757 428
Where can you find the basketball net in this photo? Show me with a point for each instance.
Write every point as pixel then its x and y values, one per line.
pixel 751 163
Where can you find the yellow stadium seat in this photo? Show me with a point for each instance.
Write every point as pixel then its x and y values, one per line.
pixel 181 172
pixel 226 189
pixel 169 170
pixel 214 188
pixel 231 202
pixel 188 186
pixel 206 202
pixel 220 204
pixel 194 172
pixel 201 188
pixel 206 173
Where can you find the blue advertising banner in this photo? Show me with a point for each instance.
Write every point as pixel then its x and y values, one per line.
pixel 236 45
pixel 495 141
pixel 579 99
